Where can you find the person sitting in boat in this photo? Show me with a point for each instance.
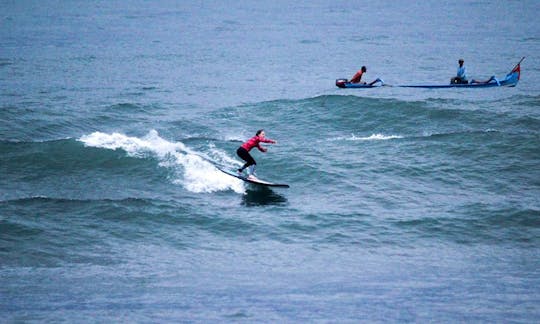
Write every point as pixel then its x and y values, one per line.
pixel 461 77
pixel 357 78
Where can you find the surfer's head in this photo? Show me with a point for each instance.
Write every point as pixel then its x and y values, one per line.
pixel 364 69
pixel 260 133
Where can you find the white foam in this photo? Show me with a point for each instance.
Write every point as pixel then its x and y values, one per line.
pixel 373 137
pixel 191 170
pixel 222 156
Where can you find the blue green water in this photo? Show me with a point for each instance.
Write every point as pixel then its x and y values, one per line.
pixel 405 205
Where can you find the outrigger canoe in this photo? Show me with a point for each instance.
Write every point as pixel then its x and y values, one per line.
pixel 344 83
pixel 511 80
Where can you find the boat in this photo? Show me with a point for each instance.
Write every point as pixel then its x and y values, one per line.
pixel 510 80
pixel 344 83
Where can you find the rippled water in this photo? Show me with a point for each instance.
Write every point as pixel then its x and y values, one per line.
pixel 405 204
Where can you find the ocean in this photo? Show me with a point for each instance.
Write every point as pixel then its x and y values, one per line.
pixel 405 205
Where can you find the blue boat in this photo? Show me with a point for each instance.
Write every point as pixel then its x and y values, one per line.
pixel 510 80
pixel 344 83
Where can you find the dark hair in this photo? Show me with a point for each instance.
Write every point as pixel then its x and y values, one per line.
pixel 364 69
pixel 259 132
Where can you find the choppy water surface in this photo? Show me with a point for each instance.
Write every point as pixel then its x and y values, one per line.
pixel 405 205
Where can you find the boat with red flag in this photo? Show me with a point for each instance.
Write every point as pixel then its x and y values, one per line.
pixel 510 80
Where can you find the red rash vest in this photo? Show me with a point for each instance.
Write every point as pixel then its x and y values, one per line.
pixel 255 142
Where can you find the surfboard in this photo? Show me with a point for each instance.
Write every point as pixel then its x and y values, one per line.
pixel 254 180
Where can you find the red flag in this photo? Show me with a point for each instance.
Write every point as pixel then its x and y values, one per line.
pixel 517 69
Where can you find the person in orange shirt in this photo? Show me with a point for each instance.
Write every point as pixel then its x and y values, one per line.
pixel 358 76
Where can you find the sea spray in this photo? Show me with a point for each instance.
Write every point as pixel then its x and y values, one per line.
pixel 192 169
pixel 372 137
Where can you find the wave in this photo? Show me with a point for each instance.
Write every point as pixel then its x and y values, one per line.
pixel 372 137
pixel 485 227
pixel 54 156
pixel 113 165
pixel 194 170
pixel 357 102
pixel 425 135
pixel 50 232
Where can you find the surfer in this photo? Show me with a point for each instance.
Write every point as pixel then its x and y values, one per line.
pixel 243 151
pixel 461 77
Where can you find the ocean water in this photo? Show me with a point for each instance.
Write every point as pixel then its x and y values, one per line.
pixel 405 205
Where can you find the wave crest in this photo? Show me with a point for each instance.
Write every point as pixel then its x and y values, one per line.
pixel 191 169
